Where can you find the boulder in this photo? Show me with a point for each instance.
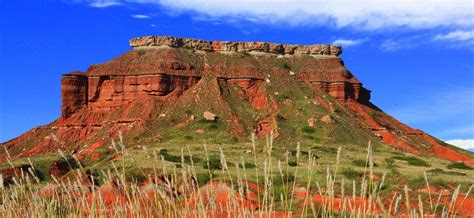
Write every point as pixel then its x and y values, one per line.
pixel 209 115
pixel 327 119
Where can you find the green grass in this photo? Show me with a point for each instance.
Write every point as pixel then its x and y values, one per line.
pixel 461 165
pixel 414 161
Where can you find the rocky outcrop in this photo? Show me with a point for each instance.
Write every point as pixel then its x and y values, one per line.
pixel 105 93
pixel 223 46
pixel 165 81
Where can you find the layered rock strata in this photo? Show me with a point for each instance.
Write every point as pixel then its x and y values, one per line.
pixel 222 46
pixel 109 92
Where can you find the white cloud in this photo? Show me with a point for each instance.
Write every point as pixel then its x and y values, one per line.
pixel 467 144
pixel 458 38
pixel 103 3
pixel 348 42
pixel 390 45
pixel 366 14
pixel 458 35
pixel 140 16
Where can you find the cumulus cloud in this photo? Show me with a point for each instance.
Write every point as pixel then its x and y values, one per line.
pixel 140 16
pixel 467 144
pixel 103 3
pixel 348 42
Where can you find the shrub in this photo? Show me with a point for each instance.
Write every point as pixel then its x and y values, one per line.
pixel 292 163
pixel 247 165
pixel 438 171
pixel 420 182
pixel 283 64
pixel 350 173
pixel 414 161
pixel 461 165
pixel 309 130
pixel 141 52
pixel 330 150
pixel 177 159
pixel 203 178
pixel 213 164
pixel 362 163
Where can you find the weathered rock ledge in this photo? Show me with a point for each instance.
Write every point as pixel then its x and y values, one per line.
pixel 227 46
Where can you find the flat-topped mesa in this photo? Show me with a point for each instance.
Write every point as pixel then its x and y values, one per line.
pixel 223 46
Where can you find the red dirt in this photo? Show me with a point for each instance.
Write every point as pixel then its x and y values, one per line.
pixel 351 204
pixel 90 149
pixel 464 206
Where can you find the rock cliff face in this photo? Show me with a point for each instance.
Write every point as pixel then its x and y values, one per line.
pixel 223 46
pixel 165 83
pixel 110 92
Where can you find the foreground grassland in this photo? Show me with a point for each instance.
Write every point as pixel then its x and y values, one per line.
pixel 260 178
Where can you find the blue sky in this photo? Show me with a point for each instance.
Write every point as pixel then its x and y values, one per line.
pixel 416 56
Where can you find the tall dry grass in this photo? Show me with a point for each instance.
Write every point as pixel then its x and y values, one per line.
pixel 170 192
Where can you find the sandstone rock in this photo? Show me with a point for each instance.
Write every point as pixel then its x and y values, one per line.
pixel 327 119
pixel 199 131
pixel 209 116
pixel 218 46
pixel 267 126
pixel 60 168
pixel 312 122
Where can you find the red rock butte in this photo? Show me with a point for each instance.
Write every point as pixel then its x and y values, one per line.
pixel 165 82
